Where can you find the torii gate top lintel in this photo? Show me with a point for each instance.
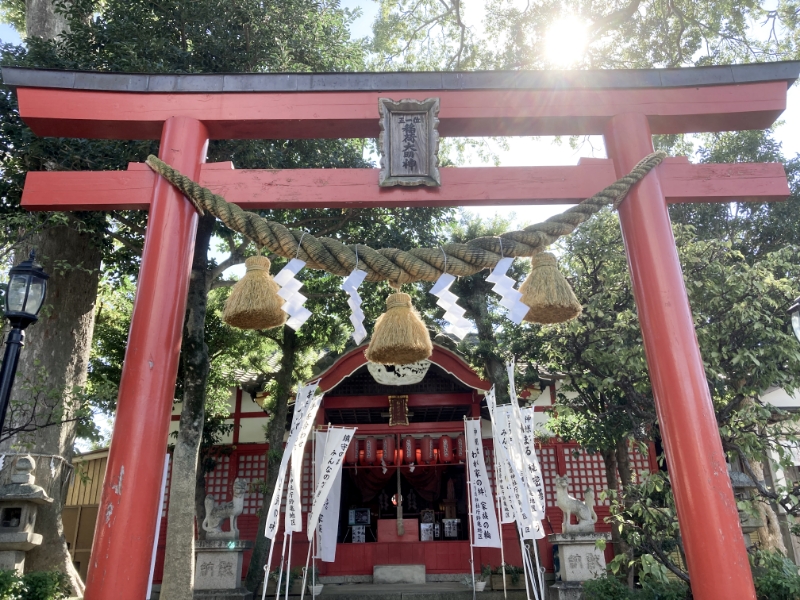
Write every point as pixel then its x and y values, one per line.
pixel 342 105
pixel 626 107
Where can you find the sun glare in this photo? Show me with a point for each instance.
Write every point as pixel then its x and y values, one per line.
pixel 566 41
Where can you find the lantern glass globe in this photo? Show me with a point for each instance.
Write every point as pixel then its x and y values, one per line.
pixel 794 314
pixel 27 288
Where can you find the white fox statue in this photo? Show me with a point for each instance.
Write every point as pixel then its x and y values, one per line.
pixel 583 511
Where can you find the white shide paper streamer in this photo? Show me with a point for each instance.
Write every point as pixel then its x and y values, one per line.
pixel 290 292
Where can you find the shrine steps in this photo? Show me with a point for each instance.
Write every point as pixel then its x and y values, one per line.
pixel 407 591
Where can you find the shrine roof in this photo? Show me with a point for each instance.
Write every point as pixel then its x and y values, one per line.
pixel 787 71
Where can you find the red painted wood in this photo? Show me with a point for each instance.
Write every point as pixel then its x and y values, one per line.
pixel 345 188
pixel 353 360
pixel 338 402
pixel 703 495
pixel 431 427
pixel 295 115
pixel 123 539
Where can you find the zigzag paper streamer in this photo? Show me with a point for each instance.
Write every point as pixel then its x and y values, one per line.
pixel 290 292
pixel 454 314
pixel 510 298
pixel 350 285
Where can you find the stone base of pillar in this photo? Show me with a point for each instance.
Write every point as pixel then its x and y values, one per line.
pixel 237 594
pixel 567 590
pixel 218 570
pixel 579 557
pixel 12 560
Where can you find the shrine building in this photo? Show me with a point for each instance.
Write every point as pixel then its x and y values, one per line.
pixel 403 415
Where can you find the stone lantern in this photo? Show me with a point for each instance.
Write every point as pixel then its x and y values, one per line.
pixel 19 501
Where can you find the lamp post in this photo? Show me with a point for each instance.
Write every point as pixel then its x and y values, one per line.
pixel 794 313
pixel 27 287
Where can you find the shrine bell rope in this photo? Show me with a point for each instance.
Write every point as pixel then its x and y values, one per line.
pixel 391 264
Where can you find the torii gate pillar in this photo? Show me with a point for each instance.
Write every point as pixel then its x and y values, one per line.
pixel 147 387
pixel 706 508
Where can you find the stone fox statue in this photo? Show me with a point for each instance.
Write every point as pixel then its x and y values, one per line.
pixel 584 511
pixel 216 513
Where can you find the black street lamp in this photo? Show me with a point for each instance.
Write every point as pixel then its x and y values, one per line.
pixel 27 287
pixel 794 312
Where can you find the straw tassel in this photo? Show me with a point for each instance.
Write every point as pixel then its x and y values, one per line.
pixel 400 337
pixel 254 302
pixel 548 293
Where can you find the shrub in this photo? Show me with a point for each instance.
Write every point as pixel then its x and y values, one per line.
pixel 607 588
pixel 775 576
pixel 37 585
pixel 11 587
pixel 611 588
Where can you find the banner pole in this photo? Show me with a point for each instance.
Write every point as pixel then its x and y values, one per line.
pixel 280 573
pixel 469 508
pixel 522 549
pixel 289 566
pixel 500 527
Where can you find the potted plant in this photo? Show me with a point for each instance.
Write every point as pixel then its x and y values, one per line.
pixel 312 582
pixel 486 573
pixel 513 575
pixel 292 580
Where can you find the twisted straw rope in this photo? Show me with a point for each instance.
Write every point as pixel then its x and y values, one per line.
pixel 401 266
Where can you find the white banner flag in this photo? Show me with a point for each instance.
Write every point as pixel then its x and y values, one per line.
pixel 305 409
pixel 339 439
pixel 484 519
pixel 294 508
pixel 535 478
pixel 502 482
pixel 328 527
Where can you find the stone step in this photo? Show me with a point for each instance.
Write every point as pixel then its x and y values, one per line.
pixel 387 574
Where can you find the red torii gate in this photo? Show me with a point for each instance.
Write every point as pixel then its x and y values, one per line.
pixel 627 107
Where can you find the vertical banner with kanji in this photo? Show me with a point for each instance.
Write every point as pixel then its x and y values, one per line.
pixel 328 527
pixel 305 409
pixel 339 439
pixel 484 519
pixel 294 506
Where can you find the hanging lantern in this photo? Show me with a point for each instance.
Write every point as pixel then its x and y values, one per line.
pixel 409 450
pixel 351 456
pixel 427 449
pixel 461 448
pixel 445 449
pixel 388 449
pixel 370 451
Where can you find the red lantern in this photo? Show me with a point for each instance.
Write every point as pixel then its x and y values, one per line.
pixel 427 449
pixel 461 448
pixel 370 450
pixel 388 449
pixel 445 449
pixel 351 456
pixel 409 449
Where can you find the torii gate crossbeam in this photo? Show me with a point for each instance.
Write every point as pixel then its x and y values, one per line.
pixel 627 107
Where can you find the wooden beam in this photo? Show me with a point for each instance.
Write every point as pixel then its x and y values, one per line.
pixel 313 115
pixel 347 188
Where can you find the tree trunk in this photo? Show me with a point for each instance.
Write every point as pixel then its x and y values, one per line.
pixel 58 347
pixel 54 364
pixel 275 432
pixel 42 20
pixel 178 580
pixel 476 304
pixel 770 535
pixel 623 461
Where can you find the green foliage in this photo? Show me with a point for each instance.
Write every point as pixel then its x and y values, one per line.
pixel 11 587
pixel 511 571
pixel 503 34
pixel 611 588
pixel 37 585
pixel 775 576
pixel 486 572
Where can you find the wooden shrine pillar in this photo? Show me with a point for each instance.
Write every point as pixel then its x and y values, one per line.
pixel 709 521
pixel 123 539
